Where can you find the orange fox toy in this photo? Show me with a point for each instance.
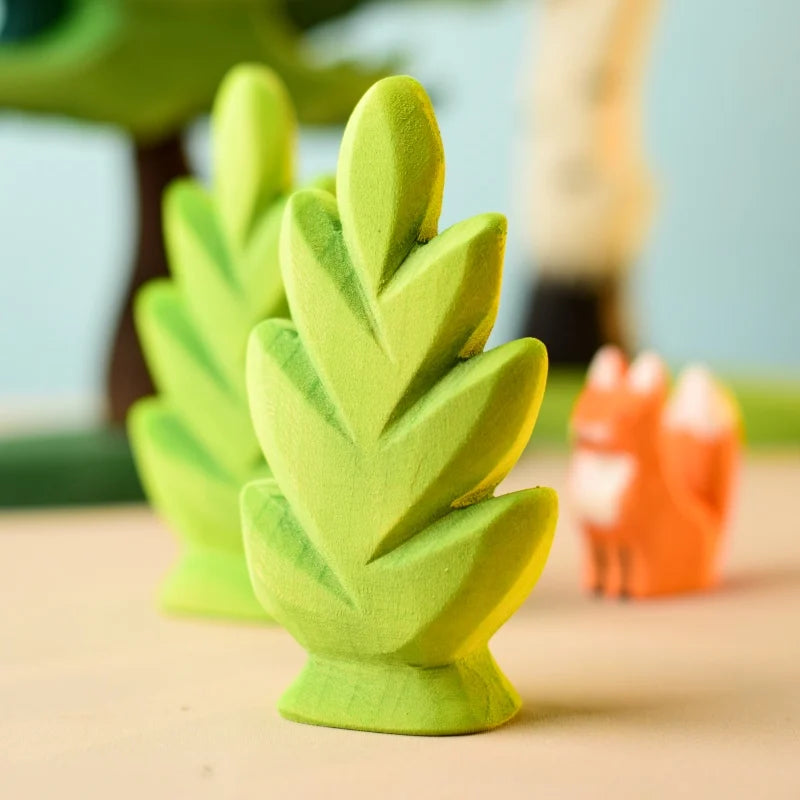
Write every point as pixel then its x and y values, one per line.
pixel 651 478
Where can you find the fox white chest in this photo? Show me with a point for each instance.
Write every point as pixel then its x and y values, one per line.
pixel 597 484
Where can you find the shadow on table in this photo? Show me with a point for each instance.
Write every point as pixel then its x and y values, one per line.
pixel 562 599
pixel 677 706
pixel 538 714
pixel 783 576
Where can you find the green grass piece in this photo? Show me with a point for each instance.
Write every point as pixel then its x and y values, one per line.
pixel 94 467
pixel 770 409
pixel 194 442
pixel 152 65
pixel 563 388
pixel 83 467
pixel 378 543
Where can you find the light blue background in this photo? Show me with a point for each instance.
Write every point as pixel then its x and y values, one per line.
pixel 719 280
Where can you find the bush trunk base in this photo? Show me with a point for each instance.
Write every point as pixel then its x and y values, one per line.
pixel 211 583
pixel 467 696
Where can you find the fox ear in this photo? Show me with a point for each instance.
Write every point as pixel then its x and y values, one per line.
pixel 607 368
pixel 647 374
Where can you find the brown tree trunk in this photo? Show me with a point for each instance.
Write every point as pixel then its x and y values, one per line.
pixel 156 166
pixel 574 318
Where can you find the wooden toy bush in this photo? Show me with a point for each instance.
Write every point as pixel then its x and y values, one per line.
pixel 378 543
pixel 194 442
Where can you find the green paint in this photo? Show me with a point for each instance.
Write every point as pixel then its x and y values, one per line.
pixel 149 66
pixel 194 442
pixel 378 542
pixel 83 467
pixel 770 409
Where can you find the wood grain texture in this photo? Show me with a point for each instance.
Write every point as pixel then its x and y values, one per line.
pixel 94 684
pixel 194 442
pixel 378 543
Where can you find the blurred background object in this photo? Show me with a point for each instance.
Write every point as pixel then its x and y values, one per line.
pixel 149 67
pixel 716 281
pixel 193 442
pixel 652 475
pixel 587 181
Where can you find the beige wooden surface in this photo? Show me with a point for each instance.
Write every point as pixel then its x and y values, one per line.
pixel 695 697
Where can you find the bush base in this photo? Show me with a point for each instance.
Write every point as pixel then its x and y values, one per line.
pixel 211 583
pixel 467 696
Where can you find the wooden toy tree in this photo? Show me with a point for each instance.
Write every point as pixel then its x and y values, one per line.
pixel 150 67
pixel 194 442
pixel 589 185
pixel 378 543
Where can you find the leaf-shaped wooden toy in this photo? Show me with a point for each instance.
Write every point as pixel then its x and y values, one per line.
pixel 378 542
pixel 194 442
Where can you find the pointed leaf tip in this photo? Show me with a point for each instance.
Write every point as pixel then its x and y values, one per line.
pixel 390 177
pixel 254 133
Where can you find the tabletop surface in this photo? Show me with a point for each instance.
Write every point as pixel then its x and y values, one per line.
pixel 100 696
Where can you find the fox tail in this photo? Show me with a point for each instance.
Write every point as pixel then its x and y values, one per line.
pixel 703 427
